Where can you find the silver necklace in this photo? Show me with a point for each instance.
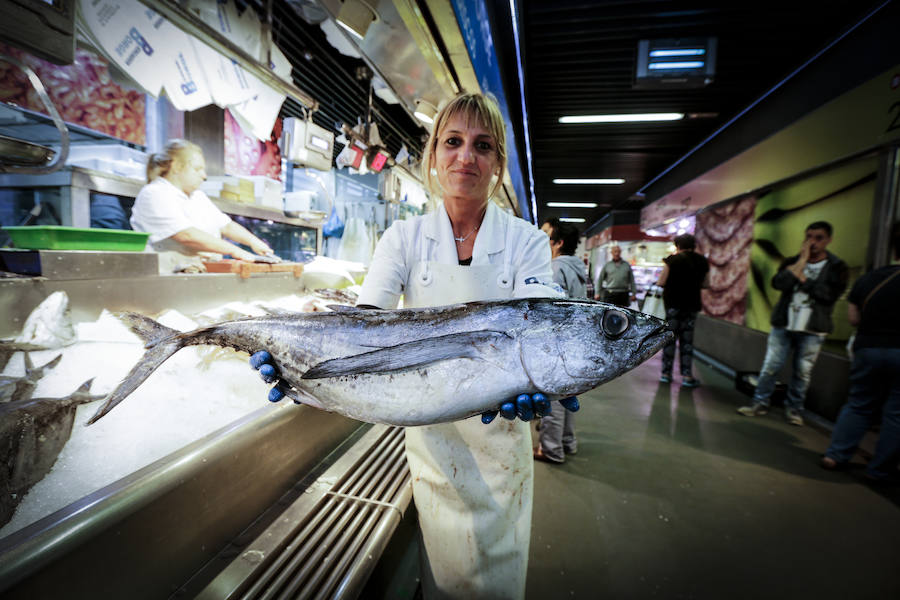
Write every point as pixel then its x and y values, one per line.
pixel 460 240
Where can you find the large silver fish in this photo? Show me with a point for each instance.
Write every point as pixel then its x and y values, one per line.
pixel 425 365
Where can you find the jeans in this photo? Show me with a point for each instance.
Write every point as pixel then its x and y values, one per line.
pixel 874 379
pixel 682 323
pixel 558 433
pixel 806 348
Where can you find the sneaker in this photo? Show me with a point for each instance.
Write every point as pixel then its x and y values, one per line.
pixel 829 464
pixel 570 450
pixel 689 382
pixel 539 455
pixel 754 410
pixel 665 379
pixel 793 417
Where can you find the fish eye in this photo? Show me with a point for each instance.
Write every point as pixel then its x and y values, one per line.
pixel 615 323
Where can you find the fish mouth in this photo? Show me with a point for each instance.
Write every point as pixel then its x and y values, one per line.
pixel 661 331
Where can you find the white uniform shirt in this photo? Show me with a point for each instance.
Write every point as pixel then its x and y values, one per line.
pixel 800 309
pixel 502 239
pixel 163 210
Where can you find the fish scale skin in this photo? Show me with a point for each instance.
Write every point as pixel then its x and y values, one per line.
pixel 557 347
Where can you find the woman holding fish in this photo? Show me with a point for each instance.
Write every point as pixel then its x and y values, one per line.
pixel 472 483
pixel 181 219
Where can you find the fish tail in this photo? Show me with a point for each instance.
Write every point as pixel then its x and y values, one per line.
pixel 150 331
pixel 161 343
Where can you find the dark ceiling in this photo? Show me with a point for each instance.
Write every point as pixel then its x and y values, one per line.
pixel 579 59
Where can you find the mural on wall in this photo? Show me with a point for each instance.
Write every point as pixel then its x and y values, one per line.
pixel 725 235
pixel 84 93
pixel 842 197
pixel 246 155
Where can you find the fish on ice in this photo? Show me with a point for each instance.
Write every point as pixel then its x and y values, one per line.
pixel 423 366
pixel 33 432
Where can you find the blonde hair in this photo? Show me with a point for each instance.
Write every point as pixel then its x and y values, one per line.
pixel 478 108
pixel 158 164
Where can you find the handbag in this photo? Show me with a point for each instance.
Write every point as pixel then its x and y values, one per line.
pixel 654 304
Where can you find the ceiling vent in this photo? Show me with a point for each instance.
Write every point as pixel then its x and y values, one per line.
pixel 675 63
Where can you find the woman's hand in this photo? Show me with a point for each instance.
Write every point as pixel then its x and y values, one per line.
pixel 260 247
pixel 262 362
pixel 527 407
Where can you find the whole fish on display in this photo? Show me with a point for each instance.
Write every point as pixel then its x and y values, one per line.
pixel 424 365
pixel 32 434
pixel 14 389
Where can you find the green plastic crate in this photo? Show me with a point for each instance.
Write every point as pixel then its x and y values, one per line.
pixel 55 237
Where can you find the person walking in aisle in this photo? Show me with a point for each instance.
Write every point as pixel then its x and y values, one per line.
pixel 810 284
pixel 683 274
pixel 616 281
pixel 874 372
pixel 557 433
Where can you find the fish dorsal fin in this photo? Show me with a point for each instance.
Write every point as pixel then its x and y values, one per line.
pixel 408 355
pixel 341 308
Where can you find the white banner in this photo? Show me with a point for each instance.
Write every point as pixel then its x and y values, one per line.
pixel 129 33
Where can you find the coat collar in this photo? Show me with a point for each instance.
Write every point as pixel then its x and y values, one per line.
pixel 491 237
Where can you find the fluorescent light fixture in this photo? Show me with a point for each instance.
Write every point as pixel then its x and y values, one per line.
pixel 589 181
pixel 623 118
pixel 678 52
pixel 572 204
pixel 425 111
pixel 571 219
pixel 689 64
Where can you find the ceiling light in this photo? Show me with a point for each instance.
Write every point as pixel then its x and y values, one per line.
pixel 623 118
pixel 425 111
pixel 355 16
pixel 571 219
pixel 675 63
pixel 572 204
pixel 589 181
pixel 678 52
pixel 690 64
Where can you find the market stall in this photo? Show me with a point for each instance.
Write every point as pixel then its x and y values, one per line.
pixel 642 251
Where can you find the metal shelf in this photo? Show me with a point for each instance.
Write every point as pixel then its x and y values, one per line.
pixel 38 128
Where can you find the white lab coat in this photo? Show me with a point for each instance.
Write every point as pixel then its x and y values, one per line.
pixel 472 483
pixel 162 210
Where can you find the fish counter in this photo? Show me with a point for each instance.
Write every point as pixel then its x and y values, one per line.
pixel 156 489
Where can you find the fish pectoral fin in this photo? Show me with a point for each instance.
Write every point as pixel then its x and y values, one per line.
pixel 409 355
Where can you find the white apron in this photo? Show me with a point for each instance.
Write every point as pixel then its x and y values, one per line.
pixel 472 482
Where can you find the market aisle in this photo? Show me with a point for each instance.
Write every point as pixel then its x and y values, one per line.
pixel 674 495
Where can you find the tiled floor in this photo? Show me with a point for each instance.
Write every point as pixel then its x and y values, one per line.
pixel 674 495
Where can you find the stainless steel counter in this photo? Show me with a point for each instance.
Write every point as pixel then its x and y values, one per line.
pixel 149 295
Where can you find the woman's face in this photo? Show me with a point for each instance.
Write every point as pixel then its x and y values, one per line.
pixel 190 171
pixel 466 159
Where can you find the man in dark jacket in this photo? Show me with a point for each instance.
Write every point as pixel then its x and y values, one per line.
pixel 874 372
pixel 683 274
pixel 810 284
